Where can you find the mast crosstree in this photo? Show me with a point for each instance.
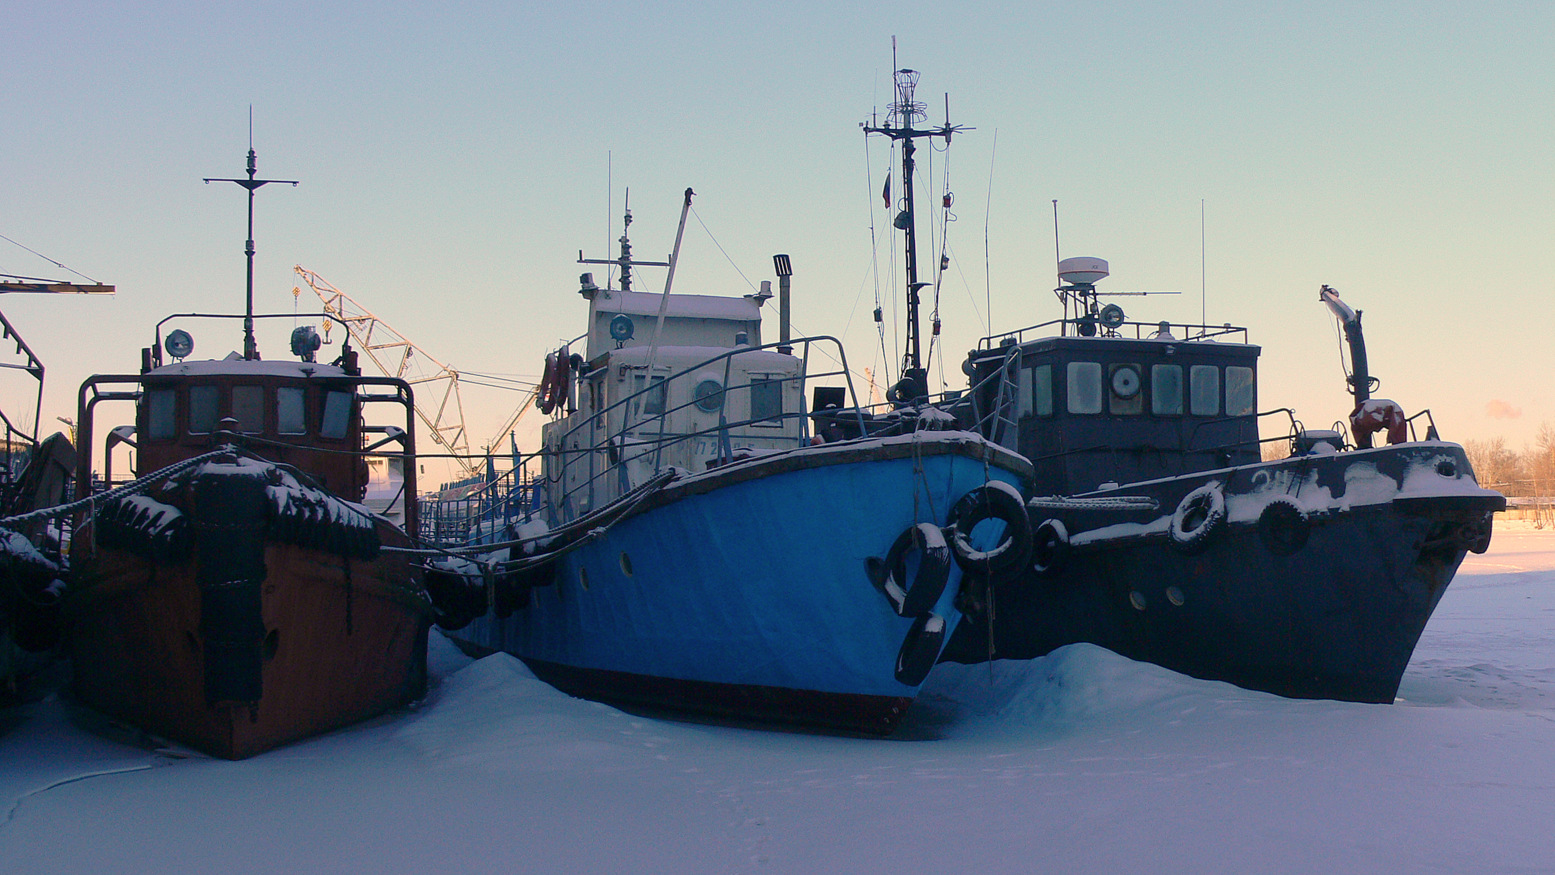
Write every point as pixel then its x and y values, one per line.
pixel 250 348
pixel 899 126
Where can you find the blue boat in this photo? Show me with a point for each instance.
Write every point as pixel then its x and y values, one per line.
pixel 698 549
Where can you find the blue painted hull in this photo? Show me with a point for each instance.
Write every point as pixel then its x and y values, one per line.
pixel 743 592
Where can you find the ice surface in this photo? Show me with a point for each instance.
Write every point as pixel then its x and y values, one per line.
pixel 1079 762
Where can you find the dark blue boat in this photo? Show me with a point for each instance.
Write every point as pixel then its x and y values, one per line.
pixel 1161 534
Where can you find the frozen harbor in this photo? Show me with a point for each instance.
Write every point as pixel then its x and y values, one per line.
pixel 1081 761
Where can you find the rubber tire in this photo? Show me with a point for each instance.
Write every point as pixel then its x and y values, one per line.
pixel 920 649
pixel 1199 517
pixel 1049 548
pixel 983 503
pixel 1283 527
pixel 921 594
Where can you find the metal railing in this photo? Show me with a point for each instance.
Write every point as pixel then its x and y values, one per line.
pixel 609 441
pixel 1180 332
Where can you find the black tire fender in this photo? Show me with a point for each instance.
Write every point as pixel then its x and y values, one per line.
pixel 920 649
pixel 1283 527
pixel 994 500
pixel 890 575
pixel 1199 517
pixel 1049 548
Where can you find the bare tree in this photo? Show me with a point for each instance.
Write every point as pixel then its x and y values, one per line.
pixel 1495 466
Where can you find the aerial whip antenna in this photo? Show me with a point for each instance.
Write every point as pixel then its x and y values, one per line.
pixel 250 349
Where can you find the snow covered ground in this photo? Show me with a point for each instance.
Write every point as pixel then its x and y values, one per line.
pixel 1079 762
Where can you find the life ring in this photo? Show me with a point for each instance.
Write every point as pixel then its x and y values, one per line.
pixel 993 500
pixel 932 574
pixel 1199 516
pixel 1379 414
pixel 1049 548
pixel 555 386
pixel 1283 527
pixel 920 649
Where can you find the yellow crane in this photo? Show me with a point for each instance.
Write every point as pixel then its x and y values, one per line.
pixel 436 385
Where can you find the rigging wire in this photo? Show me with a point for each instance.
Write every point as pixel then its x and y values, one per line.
pixel 722 250
pixel 874 245
pixel 987 262
pixel 49 260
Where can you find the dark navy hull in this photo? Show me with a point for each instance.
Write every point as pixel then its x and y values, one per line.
pixel 1324 597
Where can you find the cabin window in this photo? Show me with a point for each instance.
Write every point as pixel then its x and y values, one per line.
pixel 1204 390
pixel 204 409
pixel 1041 389
pixel 1084 387
pixel 1034 391
pixel 290 416
pixel 337 415
pixel 161 408
pixel 248 408
pixel 1239 391
pixel 1127 397
pixel 651 403
pixel 1166 390
pixel 767 400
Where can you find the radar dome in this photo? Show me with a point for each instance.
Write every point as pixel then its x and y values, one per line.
pixel 1082 270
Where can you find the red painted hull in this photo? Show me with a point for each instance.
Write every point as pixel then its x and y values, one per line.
pixel 344 640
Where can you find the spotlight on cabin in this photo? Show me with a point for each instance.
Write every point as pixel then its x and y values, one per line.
pixel 178 344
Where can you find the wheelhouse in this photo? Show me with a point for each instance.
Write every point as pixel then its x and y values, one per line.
pixel 1089 410
pixel 306 414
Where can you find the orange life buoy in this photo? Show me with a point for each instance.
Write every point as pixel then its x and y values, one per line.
pixel 555 385
pixel 1376 415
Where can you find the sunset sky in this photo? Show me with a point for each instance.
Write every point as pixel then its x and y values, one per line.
pixel 454 161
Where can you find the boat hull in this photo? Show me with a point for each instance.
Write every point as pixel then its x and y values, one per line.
pixel 744 592
pixel 245 630
pixel 1327 604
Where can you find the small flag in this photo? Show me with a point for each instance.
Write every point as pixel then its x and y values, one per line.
pixel 885 193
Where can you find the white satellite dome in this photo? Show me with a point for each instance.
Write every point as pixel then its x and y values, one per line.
pixel 1082 270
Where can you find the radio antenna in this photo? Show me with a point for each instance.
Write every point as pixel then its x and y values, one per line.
pixel 1203 272
pixel 1056 250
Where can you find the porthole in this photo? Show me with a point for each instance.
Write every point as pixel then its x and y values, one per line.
pixel 583 578
pixel 1137 599
pixel 709 395
pixel 626 564
pixel 1125 381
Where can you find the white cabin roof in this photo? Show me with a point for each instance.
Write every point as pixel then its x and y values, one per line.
pixel 235 366
pixel 683 306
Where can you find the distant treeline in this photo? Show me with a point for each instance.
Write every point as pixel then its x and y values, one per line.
pixel 1527 473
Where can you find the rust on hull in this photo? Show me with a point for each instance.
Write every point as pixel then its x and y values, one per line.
pixel 340 640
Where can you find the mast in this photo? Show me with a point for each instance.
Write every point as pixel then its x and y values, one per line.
pixel 899 126
pixel 625 261
pixel 250 348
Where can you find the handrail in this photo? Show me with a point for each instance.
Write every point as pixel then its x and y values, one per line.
pixel 1190 332
pixel 623 435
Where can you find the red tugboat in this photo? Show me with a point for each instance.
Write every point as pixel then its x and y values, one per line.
pixel 236 596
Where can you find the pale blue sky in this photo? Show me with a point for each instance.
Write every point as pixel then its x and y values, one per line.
pixel 453 162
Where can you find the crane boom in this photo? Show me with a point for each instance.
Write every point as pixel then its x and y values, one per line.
pixel 438 405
